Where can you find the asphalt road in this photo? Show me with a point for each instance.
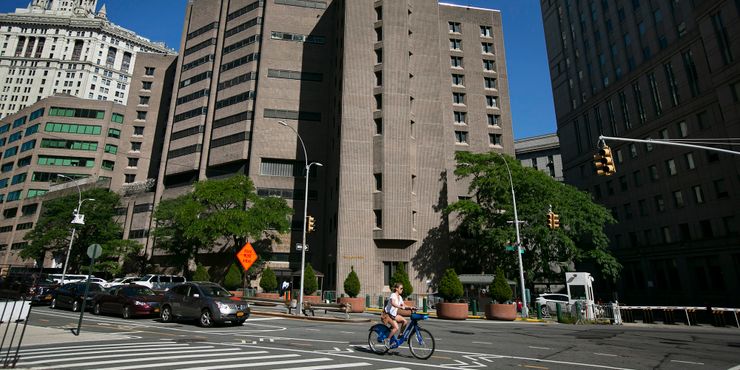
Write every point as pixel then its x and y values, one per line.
pixel 281 343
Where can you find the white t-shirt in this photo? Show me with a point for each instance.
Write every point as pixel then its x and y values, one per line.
pixel 390 308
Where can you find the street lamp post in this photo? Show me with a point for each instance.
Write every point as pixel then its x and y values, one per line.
pixel 77 220
pixel 305 213
pixel 525 310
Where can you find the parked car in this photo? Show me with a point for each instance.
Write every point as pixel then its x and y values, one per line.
pixel 123 280
pixel 549 302
pixel 159 282
pixel 128 301
pixel 207 302
pixel 70 295
pixel 100 281
pixel 68 278
pixel 33 287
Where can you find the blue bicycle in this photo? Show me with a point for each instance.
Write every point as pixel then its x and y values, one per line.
pixel 421 341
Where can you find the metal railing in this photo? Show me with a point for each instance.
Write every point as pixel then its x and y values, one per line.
pixel 14 316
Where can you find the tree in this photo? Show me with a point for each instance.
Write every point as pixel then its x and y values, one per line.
pixel 485 221
pixel 233 279
pixel 228 211
pixel 201 273
pixel 52 232
pixel 499 289
pixel 400 276
pixel 450 287
pixel 268 283
pixel 310 284
pixel 352 283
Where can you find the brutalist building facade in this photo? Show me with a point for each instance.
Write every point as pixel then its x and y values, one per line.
pixel 382 93
pixel 661 70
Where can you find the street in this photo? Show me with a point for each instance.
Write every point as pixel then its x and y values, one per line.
pixel 284 343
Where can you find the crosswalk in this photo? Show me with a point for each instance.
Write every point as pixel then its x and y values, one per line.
pixel 175 355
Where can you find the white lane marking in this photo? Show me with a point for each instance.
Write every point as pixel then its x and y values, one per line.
pixel 735 368
pixel 266 363
pixel 219 360
pixel 533 347
pixel 347 332
pixel 604 354
pixel 311 329
pixel 330 366
pixel 53 353
pixel 111 346
pixel 537 360
pixel 482 342
pixel 210 352
pixel 698 363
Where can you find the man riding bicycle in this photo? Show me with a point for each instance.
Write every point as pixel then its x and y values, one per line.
pixel 390 314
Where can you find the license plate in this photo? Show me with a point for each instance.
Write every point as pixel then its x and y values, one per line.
pixel 48 297
pixel 156 310
pixel 239 314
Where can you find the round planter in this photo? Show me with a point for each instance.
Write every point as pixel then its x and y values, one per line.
pixel 452 311
pixel 268 295
pixel 504 312
pixel 358 303
pixel 312 298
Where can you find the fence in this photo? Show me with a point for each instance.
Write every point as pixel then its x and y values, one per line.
pixel 689 315
pixel 13 319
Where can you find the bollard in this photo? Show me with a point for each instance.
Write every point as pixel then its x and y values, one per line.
pixel 559 310
pixel 380 301
pixel 578 310
pixel 539 310
pixel 474 306
pixel 425 304
pixel 367 300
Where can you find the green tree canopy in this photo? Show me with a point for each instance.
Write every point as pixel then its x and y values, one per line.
pixel 400 276
pixel 352 283
pixel 233 279
pixel 310 283
pixel 486 221
pixel 499 289
pixel 450 287
pixel 228 211
pixel 53 230
pixel 268 282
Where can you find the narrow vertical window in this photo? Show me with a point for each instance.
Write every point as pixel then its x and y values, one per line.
pixel 657 104
pixel 672 85
pixel 690 68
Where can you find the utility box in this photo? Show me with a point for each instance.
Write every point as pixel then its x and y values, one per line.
pixel 580 288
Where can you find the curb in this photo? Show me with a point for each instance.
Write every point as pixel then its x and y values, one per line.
pixel 478 317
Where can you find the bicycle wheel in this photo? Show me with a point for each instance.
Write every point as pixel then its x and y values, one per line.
pixel 421 344
pixel 375 339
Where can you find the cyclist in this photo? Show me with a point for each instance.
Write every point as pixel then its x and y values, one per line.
pixel 391 316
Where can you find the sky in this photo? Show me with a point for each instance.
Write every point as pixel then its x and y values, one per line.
pixel 526 57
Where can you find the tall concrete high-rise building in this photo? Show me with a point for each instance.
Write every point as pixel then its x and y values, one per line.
pixel 382 93
pixel 663 70
pixel 65 46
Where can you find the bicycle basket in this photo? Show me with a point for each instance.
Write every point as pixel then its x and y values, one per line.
pixel 419 316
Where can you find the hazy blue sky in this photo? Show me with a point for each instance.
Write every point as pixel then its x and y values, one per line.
pixel 526 58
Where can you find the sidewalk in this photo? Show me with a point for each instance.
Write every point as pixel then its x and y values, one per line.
pixel 37 335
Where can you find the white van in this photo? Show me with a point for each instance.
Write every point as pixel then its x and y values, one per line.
pixel 68 278
pixel 159 282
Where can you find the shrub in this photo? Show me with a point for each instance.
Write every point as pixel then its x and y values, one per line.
pixel 310 284
pixel 450 287
pixel 201 273
pixel 400 276
pixel 233 279
pixel 268 282
pixel 500 289
pixel 352 284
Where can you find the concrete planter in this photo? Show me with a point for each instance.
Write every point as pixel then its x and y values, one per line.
pixel 312 298
pixel 452 311
pixel 268 295
pixel 358 303
pixel 237 293
pixel 503 312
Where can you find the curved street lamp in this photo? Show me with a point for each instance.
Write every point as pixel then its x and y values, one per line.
pixel 78 219
pixel 525 309
pixel 305 213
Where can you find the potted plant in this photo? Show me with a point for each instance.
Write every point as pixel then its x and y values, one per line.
pixel 269 284
pixel 400 276
pixel 501 308
pixel 451 290
pixel 233 280
pixel 310 285
pixel 352 288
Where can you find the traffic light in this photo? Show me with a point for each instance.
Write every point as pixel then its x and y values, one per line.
pixel 555 221
pixel 550 220
pixel 604 162
pixel 311 226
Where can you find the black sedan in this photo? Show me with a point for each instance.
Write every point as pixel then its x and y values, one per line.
pixel 70 295
pixel 128 301
pixel 207 302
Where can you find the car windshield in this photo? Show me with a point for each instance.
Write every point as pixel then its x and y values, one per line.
pixel 215 291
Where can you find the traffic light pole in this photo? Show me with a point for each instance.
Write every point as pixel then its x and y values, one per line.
pixel 667 142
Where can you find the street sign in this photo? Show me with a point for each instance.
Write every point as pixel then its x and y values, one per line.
pixel 246 256
pixel 299 247
pixel 94 250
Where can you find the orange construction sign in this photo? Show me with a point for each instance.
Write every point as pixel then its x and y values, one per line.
pixel 247 256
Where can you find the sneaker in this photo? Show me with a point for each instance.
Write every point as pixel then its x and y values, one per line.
pixel 394 343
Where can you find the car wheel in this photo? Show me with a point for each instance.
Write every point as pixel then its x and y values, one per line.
pixel 75 306
pixel 126 312
pixel 545 310
pixel 206 320
pixel 96 309
pixel 53 303
pixel 166 314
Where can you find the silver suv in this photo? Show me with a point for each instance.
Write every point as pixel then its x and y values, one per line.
pixel 207 302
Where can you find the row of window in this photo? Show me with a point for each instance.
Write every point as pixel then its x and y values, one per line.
pixel 23 226
pixel 459 98
pixel 490 83
pixel 683 232
pixel 488 64
pixel 456 27
pixel 18 195
pixel 456 45
pixel 461 137
pixel 461 118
